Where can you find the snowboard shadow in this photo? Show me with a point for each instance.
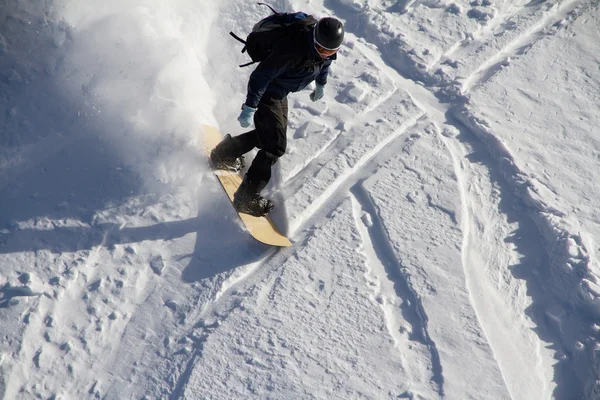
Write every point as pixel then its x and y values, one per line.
pixel 222 244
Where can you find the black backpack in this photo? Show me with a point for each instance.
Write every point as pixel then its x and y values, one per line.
pixel 268 31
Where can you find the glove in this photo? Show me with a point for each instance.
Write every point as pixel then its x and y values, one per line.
pixel 318 93
pixel 245 118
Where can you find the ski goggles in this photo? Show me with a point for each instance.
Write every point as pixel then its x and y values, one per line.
pixel 323 51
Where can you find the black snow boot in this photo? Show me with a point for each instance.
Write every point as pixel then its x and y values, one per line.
pixel 226 155
pixel 247 198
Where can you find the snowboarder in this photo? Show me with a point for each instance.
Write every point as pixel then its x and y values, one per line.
pixel 296 59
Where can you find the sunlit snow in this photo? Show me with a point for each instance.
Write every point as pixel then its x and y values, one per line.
pixel 441 200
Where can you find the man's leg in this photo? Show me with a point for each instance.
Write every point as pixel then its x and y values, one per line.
pixel 246 142
pixel 271 127
pixel 228 153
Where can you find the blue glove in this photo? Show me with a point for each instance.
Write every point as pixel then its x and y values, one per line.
pixel 318 93
pixel 245 118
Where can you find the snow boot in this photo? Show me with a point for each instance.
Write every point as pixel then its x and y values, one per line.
pixel 224 156
pixel 247 198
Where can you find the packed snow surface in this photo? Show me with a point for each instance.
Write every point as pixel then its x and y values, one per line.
pixel 442 201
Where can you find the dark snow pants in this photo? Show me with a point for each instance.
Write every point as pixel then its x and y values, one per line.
pixel 269 135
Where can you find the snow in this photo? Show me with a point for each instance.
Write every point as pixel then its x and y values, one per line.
pixel 441 201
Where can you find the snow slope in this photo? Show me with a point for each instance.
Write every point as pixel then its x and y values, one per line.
pixel 441 201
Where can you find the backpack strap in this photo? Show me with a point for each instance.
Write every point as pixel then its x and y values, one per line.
pixel 264 4
pixel 248 64
pixel 239 39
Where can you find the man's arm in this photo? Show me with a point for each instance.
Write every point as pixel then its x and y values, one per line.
pixel 270 68
pixel 322 77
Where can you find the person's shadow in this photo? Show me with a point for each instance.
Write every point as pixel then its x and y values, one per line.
pixel 83 178
pixel 221 243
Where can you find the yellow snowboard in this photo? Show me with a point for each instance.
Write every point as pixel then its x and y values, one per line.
pixel 261 228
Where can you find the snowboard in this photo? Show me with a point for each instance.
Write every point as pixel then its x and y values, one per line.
pixel 261 228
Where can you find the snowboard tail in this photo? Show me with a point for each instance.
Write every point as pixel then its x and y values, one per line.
pixel 261 228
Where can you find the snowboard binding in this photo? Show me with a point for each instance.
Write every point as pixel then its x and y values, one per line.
pixel 221 158
pixel 247 199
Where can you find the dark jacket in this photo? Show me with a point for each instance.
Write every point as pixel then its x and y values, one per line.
pixel 291 66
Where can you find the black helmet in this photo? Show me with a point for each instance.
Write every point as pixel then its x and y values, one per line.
pixel 329 33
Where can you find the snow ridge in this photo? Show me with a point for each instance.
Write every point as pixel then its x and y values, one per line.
pixel 570 276
pixel 568 258
pixel 381 256
pixel 567 254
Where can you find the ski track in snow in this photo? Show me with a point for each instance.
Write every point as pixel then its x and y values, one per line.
pixel 562 15
pixel 348 174
pixel 506 34
pixel 437 111
pixel 484 34
pixel 560 244
pixel 197 329
pixel 520 44
pixel 481 229
pixel 490 66
pixel 388 278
